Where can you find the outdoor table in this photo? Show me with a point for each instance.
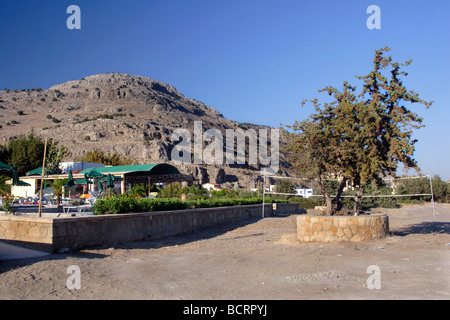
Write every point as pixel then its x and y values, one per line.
pixel 80 209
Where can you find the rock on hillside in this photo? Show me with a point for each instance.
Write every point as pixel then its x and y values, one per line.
pixel 130 115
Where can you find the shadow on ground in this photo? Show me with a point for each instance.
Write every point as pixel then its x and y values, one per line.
pixel 180 239
pixel 6 265
pixel 424 228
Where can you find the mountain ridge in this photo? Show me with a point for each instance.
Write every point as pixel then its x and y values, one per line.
pixel 130 115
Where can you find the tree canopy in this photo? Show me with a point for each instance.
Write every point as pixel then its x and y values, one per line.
pixel 97 156
pixel 358 138
pixel 26 153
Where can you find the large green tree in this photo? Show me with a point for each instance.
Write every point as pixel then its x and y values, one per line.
pixel 26 153
pixel 358 138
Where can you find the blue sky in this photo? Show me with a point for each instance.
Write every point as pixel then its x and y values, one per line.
pixel 252 60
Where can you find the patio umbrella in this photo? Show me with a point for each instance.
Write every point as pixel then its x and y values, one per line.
pixel 93 174
pixel 5 167
pixel 38 172
pixel 115 178
pixel 83 181
pixel 70 181
pixel 100 188
pixel 15 179
pixel 110 182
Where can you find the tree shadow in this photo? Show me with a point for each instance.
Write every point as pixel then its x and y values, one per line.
pixel 424 228
pixel 95 252
pixel 9 264
pixel 182 238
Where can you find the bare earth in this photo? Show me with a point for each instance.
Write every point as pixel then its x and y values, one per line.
pixel 255 259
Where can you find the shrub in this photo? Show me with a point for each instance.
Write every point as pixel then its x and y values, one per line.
pixel 133 205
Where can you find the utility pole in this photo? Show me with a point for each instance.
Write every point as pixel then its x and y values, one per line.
pixel 42 180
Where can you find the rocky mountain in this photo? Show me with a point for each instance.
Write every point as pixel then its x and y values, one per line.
pixel 130 115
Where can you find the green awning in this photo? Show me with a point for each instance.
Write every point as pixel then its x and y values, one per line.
pixel 38 172
pixel 4 166
pixel 83 181
pixel 153 169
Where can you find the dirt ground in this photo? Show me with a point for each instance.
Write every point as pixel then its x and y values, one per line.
pixel 256 259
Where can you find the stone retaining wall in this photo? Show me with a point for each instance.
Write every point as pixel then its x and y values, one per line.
pixel 286 207
pixel 30 232
pixel 341 228
pixel 53 234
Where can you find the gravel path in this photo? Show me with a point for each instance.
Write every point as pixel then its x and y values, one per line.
pixel 255 259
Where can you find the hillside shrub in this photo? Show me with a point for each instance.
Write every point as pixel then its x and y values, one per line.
pixel 121 205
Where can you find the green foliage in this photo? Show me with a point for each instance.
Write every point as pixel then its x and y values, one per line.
pixel 55 154
pixel 7 200
pixel 307 203
pixel 233 194
pixel 170 190
pixel 26 152
pixel 134 205
pixel 284 186
pixel 58 185
pixel 114 159
pixel 361 137
pixel 5 189
pixel 138 190
pixel 441 189
pixel 371 202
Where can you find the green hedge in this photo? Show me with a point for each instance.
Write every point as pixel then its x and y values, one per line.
pixel 133 205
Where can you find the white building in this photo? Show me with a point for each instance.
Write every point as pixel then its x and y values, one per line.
pixel 212 186
pixel 304 192
pixel 78 165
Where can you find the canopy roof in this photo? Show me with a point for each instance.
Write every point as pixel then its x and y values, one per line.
pixel 152 169
pixel 4 166
pixel 38 172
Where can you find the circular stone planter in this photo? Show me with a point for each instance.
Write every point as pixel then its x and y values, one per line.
pixel 341 228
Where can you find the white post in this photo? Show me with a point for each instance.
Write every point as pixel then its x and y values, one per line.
pixel 432 198
pixel 264 190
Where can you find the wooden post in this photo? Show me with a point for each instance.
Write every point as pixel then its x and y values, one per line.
pixel 42 180
pixel 149 186
pixel 432 199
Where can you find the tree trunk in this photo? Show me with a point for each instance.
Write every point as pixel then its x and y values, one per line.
pixel 328 200
pixel 357 198
pixel 329 204
pixel 338 198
